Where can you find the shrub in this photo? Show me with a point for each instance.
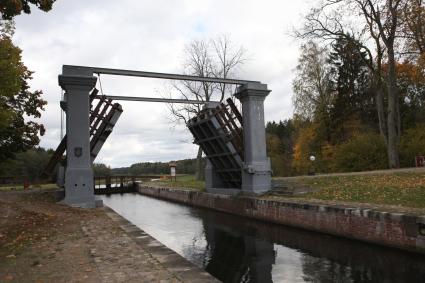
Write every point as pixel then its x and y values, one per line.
pixel 363 152
pixel 306 144
pixel 412 144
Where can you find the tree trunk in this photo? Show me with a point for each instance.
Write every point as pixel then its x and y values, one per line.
pixel 200 174
pixel 392 115
pixel 379 97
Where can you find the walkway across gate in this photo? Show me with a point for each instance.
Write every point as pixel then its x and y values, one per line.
pixel 118 184
pixel 234 143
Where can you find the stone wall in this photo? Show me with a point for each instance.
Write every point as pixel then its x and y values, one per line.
pixel 403 231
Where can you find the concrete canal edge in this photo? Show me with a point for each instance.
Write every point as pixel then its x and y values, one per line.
pixel 397 230
pixel 180 267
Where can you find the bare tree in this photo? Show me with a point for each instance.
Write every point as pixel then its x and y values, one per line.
pixel 414 28
pixel 205 58
pixel 376 23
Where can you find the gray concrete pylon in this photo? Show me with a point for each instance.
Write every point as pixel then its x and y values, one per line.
pixel 256 171
pixel 79 188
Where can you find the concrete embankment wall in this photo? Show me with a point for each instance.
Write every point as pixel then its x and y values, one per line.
pixel 403 231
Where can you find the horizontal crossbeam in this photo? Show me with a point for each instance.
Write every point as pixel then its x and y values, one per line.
pixel 144 74
pixel 153 99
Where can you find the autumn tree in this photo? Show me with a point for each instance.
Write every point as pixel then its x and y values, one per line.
pixel 376 23
pixel 411 72
pixel 12 8
pixel 411 84
pixel 307 143
pixel 413 29
pixel 18 104
pixel 217 58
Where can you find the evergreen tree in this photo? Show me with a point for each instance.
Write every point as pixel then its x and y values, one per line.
pixel 353 103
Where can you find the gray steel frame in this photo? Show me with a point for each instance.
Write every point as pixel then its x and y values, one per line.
pixel 153 99
pixel 250 172
pixel 167 76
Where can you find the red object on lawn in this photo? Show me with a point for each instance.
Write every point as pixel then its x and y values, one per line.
pixel 420 161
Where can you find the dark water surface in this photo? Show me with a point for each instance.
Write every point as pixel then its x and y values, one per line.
pixel 236 249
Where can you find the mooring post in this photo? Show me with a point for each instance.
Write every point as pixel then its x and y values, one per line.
pixel 256 171
pixel 79 187
pixel 108 182
pixel 60 176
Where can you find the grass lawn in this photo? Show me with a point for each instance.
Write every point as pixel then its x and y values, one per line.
pixel 403 189
pixel 185 182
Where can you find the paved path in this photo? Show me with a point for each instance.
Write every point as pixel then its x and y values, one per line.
pixel 41 241
pixel 138 255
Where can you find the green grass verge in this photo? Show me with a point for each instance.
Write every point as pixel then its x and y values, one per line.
pixel 403 189
pixel 186 182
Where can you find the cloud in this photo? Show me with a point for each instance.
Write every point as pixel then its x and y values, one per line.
pixel 150 35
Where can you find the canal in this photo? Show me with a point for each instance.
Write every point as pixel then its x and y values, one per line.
pixel 236 249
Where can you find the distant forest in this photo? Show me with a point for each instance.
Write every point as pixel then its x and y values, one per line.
pixel 185 166
pixel 30 164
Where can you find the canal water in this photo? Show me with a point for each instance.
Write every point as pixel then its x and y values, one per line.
pixel 236 249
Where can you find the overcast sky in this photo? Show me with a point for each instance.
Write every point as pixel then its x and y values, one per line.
pixel 150 36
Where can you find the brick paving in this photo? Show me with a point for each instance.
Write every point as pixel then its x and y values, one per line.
pixel 118 258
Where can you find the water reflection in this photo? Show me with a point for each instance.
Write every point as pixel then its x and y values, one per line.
pixel 234 256
pixel 235 249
